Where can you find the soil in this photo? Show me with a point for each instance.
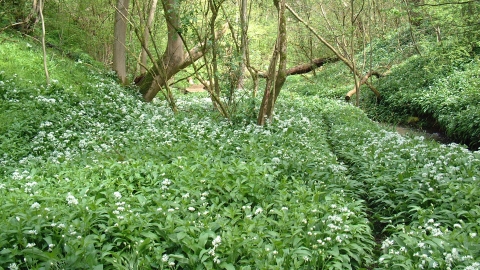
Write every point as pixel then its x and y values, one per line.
pixel 436 135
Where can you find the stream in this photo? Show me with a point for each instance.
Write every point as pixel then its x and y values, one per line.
pixel 435 135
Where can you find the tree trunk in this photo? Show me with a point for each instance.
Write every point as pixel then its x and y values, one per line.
pixel 146 37
pixel 169 64
pixel 120 34
pixel 276 78
pixel 40 11
pixel 159 74
pixel 336 52
pixel 243 43
pixel 364 80
pixel 305 68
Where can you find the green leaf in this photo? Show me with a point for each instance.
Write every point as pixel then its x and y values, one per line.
pixel 227 266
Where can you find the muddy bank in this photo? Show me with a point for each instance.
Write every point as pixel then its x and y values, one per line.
pixel 428 134
pixel 432 134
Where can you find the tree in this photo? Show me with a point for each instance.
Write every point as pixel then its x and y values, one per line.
pixel 146 37
pixel 344 50
pixel 40 11
pixel 174 58
pixel 120 37
pixel 276 75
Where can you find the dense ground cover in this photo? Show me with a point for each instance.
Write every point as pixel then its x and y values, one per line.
pixel 424 195
pixel 428 91
pixel 94 178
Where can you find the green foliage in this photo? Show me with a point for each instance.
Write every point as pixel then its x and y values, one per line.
pixel 94 178
pixel 425 195
pixel 14 11
pixel 99 179
pixel 328 82
pixel 424 87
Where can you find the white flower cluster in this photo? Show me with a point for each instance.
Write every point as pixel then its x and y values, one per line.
pixel 165 183
pixel 71 199
pixel 117 195
pixel 215 243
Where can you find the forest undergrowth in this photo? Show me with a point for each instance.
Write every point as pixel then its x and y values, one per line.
pixel 94 178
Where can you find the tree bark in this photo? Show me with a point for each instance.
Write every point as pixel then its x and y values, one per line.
pixel 276 78
pixel 305 68
pixel 336 52
pixel 377 74
pixel 120 34
pixel 243 43
pixel 155 78
pixel 146 37
pixel 40 11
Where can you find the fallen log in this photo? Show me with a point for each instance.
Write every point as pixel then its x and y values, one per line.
pixel 364 80
pixel 305 68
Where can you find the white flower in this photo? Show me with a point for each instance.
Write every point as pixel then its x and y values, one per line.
pixel 284 208
pixel 275 160
pixel 338 238
pixel 165 258
pixel 71 199
pixel 456 225
pixel 35 205
pixel 421 245
pixel 166 182
pixel 216 260
pixel 117 195
pixel 217 241
pixel 258 211
pixel 388 242
pixel 30 245
pixel 13 266
pixel 191 208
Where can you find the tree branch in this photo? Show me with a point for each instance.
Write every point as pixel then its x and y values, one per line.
pixel 448 3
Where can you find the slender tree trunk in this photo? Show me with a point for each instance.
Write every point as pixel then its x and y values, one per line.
pixel 120 35
pixel 243 43
pixel 352 52
pixel 214 8
pixel 146 37
pixel 276 78
pixel 40 11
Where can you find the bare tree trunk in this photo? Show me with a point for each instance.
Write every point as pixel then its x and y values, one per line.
pixel 214 7
pixel 169 64
pixel 146 37
pixel 276 78
pixel 353 18
pixel 364 80
pixel 305 68
pixel 335 51
pixel 120 34
pixel 158 75
pixel 243 42
pixel 40 11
